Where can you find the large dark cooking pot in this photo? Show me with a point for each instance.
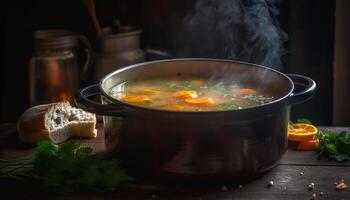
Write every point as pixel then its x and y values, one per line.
pixel 196 145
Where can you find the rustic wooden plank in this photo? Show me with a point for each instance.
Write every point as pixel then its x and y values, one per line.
pixel 11 148
pixel 293 157
pixel 288 184
pixel 335 128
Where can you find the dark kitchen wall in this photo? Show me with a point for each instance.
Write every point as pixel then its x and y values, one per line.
pixel 309 50
pixel 18 20
pixel 341 71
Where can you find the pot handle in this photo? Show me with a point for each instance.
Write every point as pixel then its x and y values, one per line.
pixel 309 90
pixel 82 101
pixel 89 57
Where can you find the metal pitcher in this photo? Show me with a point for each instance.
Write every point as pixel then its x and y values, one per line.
pixel 118 49
pixel 54 72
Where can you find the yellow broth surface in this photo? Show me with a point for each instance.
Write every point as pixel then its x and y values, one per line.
pixel 188 94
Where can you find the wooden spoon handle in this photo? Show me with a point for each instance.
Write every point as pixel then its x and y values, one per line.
pixel 90 5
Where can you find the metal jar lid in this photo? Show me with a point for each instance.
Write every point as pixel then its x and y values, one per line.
pixel 55 38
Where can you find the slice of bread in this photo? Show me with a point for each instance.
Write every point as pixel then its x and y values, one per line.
pixel 57 122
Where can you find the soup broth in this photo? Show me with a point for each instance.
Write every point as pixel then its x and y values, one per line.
pixel 179 93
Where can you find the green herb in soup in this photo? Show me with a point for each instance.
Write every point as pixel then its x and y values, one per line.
pixel 188 94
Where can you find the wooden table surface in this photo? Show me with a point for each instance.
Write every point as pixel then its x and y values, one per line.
pixel 287 178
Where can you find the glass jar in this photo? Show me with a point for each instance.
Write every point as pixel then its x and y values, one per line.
pixel 53 69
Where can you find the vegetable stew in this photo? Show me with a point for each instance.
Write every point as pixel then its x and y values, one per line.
pixel 179 93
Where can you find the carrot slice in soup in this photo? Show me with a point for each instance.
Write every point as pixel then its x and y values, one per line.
pixel 136 99
pixel 200 101
pixel 245 91
pixel 197 82
pixel 184 94
pixel 150 90
pixel 179 107
pixel 175 107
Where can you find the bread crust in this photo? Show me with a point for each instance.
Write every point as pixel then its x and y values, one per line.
pixel 31 125
pixel 34 124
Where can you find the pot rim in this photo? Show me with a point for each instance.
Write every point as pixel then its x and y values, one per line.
pixel 129 67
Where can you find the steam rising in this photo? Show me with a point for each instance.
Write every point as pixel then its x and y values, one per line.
pixel 244 30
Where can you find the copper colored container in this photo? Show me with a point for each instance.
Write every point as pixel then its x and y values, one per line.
pixel 54 72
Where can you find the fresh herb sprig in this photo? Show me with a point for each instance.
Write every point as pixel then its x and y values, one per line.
pixel 304 120
pixel 177 86
pixel 334 145
pixel 67 166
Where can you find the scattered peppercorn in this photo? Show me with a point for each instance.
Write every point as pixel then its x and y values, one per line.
pixel 313 196
pixel 270 183
pixel 311 186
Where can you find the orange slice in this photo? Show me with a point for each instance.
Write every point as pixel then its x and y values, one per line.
pixel 308 145
pixel 184 94
pixel 301 132
pixel 245 91
pixel 200 101
pixel 137 99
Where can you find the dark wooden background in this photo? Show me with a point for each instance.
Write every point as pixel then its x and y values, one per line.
pixel 309 24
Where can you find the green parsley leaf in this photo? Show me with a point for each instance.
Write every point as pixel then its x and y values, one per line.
pixel 304 120
pixel 70 168
pixel 227 106
pixel 334 145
